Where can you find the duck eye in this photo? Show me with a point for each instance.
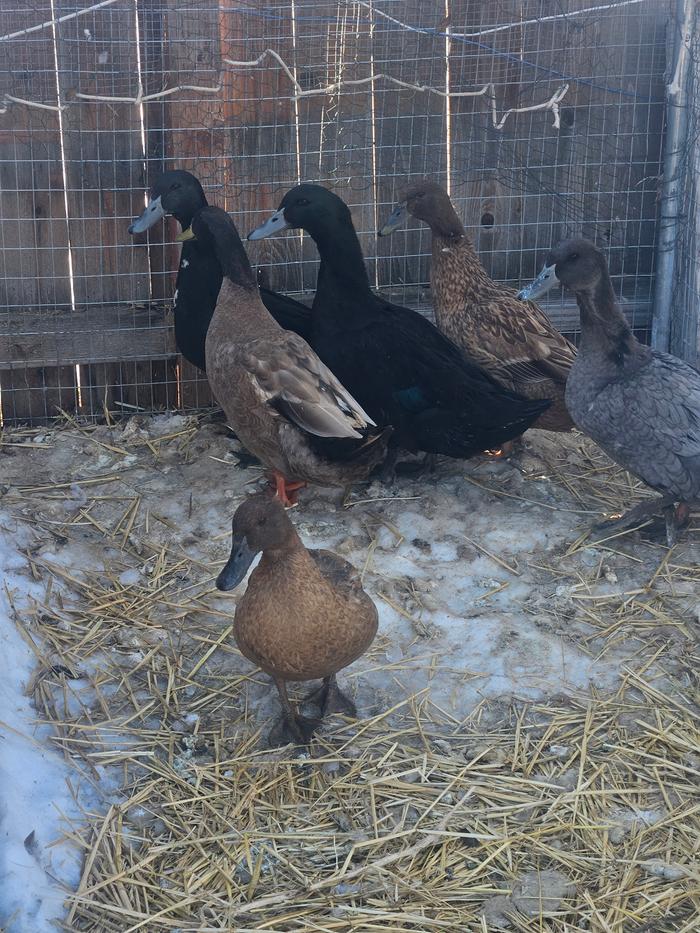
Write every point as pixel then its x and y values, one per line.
pixel 573 257
pixel 175 184
pixel 302 202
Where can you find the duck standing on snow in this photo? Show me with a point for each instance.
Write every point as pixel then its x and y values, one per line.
pixel 400 368
pixel 286 407
pixel 641 406
pixel 179 193
pixel 304 614
pixel 512 340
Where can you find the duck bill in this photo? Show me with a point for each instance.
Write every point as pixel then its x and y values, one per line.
pixel 272 225
pixel 394 220
pixel 185 235
pixel 153 212
pixel 545 280
pixel 237 565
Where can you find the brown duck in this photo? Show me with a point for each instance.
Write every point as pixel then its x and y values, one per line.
pixel 285 405
pixel 303 616
pixel 512 340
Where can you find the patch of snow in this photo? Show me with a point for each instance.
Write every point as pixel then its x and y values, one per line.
pixel 35 873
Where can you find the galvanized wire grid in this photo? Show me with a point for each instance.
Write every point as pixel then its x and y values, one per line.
pixel 86 124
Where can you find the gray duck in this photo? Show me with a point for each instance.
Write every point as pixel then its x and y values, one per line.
pixel 640 405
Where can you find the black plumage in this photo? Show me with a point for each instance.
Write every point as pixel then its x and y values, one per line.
pixel 199 275
pixel 400 368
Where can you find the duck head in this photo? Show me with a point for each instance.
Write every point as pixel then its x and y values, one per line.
pixel 576 264
pixel 308 207
pixel 427 201
pixel 213 227
pixel 177 193
pixel 259 524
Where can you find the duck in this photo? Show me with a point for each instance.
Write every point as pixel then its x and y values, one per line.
pixel 283 403
pixel 396 363
pixel 642 406
pixel 303 616
pixel 180 194
pixel 512 340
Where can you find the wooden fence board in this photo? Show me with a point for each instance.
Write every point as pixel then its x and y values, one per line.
pixel 34 271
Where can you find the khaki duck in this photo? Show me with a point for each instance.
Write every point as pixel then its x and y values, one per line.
pixel 285 405
pixel 640 405
pixel 512 340
pixel 303 616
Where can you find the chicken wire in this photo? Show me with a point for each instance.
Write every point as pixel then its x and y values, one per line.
pixel 544 119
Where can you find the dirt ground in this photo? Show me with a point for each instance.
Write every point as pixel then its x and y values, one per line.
pixel 524 756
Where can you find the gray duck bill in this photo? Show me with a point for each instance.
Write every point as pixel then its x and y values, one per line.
pixel 272 225
pixel 152 213
pixel 545 280
pixel 394 220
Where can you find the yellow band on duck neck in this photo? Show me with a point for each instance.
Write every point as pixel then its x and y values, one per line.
pixel 185 235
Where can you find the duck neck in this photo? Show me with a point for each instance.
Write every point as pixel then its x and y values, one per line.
pixel 342 263
pixel 240 311
pixel 604 328
pixel 286 558
pixel 185 212
pixel 445 222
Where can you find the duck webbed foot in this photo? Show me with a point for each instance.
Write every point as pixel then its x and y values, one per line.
pixel 640 513
pixel 677 518
pixel 414 468
pixel 292 729
pixel 285 490
pixel 331 699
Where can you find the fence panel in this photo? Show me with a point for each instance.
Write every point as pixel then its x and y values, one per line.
pixel 543 120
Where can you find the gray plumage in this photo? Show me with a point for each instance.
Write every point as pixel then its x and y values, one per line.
pixel 641 406
pixel 645 415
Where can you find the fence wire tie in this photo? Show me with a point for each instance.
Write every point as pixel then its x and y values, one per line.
pixel 488 90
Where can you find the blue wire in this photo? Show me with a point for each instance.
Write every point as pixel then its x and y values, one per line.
pixel 436 33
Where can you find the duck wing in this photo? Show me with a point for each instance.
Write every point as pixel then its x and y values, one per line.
pixel 289 376
pixel 522 343
pixel 649 422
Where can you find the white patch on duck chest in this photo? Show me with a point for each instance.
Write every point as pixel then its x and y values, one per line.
pixel 184 264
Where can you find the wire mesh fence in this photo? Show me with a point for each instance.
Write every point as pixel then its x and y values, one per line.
pixel 684 217
pixel 543 117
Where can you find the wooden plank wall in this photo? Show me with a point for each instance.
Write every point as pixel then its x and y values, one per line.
pixel 519 188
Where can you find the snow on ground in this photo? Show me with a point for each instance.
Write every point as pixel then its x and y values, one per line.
pixel 480 592
pixel 36 797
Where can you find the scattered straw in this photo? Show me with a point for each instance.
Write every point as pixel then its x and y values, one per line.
pixel 566 814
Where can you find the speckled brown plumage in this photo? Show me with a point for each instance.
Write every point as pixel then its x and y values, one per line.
pixel 513 340
pixel 283 403
pixel 304 614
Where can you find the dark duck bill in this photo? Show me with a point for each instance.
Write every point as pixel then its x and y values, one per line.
pixel 242 556
pixel 272 225
pixel 545 280
pixel 394 220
